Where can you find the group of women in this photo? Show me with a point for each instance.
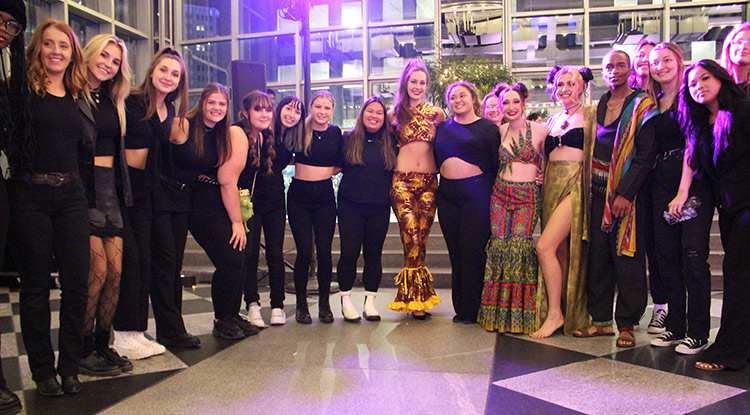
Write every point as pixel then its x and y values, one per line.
pixel 109 180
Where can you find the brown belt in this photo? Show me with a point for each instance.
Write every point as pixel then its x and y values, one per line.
pixel 54 179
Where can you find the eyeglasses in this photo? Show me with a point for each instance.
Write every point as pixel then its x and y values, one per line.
pixel 12 27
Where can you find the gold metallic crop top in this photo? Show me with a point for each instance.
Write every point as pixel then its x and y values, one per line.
pixel 422 125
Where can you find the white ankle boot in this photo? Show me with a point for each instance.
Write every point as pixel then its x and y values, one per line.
pixel 253 314
pixel 347 308
pixel 370 313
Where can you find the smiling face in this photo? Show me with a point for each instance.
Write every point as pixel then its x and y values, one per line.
pixel 214 109
pixel 416 86
pixel 5 36
pixel 290 114
pixel 105 66
pixel 513 105
pixel 641 60
pixel 664 66
pixel 615 69
pixel 461 101
pixel 57 51
pixel 568 89
pixel 703 86
pixel 373 117
pixel 492 111
pixel 321 111
pixel 261 117
pixel 166 75
pixel 739 49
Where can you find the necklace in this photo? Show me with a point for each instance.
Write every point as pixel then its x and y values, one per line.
pixel 95 94
pixel 566 123
pixel 612 108
pixel 319 134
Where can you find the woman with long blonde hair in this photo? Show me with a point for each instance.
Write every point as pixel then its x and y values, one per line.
pixel 735 54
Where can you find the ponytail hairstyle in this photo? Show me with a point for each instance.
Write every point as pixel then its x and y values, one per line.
pixel 305 144
pixel 74 78
pixel 292 136
pixel 355 141
pixel 258 100
pixel 401 110
pixel 119 86
pixel 146 92
pixel 477 105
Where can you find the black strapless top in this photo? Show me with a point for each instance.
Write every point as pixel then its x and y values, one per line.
pixel 572 138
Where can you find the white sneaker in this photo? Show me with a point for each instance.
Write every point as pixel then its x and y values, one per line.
pixel 278 317
pixel 154 346
pixel 253 314
pixel 127 346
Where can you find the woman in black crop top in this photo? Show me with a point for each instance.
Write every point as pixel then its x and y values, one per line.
pixel 269 205
pixel 564 209
pixel 50 190
pixel 312 205
pixel 367 158
pixel 108 74
pixel 514 211
pixel 683 248
pixel 149 114
pixel 466 155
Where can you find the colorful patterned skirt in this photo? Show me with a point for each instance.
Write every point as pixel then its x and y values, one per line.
pixel 511 272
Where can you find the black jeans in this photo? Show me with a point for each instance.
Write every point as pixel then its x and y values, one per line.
pixel 312 206
pixel 135 283
pixel 682 254
pixel 4 218
pixel 45 221
pixel 607 270
pixel 732 346
pixel 169 235
pixel 272 218
pixel 212 229
pixel 463 209
pixel 362 226
pixel 656 283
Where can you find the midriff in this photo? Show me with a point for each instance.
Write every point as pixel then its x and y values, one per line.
pixel 416 157
pixel 454 168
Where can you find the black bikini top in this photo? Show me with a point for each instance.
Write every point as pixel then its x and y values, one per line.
pixel 572 138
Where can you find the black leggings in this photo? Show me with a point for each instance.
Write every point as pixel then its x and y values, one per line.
pixel 212 229
pixel 463 209
pixel 272 218
pixel 362 226
pixel 312 206
pixel 46 220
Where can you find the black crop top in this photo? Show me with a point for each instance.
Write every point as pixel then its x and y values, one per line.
pixel 476 143
pixel 188 164
pixel 107 123
pixel 571 138
pixel 324 148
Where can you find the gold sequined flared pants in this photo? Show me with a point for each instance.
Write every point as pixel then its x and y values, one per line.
pixel 413 201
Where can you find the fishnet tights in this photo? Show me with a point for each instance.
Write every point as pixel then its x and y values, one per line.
pixel 104 283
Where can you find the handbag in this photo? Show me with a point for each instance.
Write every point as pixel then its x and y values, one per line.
pixel 688 211
pixel 246 203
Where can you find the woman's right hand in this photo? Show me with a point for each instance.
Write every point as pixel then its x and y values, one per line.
pixel 675 206
pixel 239 237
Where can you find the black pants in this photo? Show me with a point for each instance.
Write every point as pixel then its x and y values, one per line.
pixel 272 219
pixel 682 255
pixel 169 235
pixel 463 209
pixel 607 270
pixel 135 283
pixel 4 218
pixel 732 346
pixel 47 220
pixel 362 226
pixel 212 229
pixel 656 282
pixel 312 206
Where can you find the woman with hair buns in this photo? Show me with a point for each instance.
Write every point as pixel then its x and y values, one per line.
pixel 562 247
pixel 510 276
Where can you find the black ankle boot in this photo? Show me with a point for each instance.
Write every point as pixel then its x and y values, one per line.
pixel 303 314
pixel 324 311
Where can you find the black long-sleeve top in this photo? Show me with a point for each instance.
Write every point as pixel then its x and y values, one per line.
pixel 369 183
pixel 645 147
pixel 476 143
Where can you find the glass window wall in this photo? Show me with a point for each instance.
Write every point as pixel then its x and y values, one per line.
pixel 700 31
pixel 394 10
pixel 622 30
pixel 262 16
pixel 85 29
pixel 206 18
pixel 336 54
pixel 328 13
pixel 548 41
pixel 207 62
pixel 472 29
pixel 391 47
pixel 277 52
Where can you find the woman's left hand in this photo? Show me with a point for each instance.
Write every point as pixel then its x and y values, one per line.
pixel 239 237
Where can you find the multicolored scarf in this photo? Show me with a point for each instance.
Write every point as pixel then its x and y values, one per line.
pixel 641 109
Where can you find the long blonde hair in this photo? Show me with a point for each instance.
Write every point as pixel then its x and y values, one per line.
pixel 308 122
pixel 75 74
pixel 653 88
pixel 119 86
pixel 726 60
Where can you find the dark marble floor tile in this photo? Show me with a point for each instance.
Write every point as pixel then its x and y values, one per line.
pixel 508 402
pixel 94 396
pixel 666 359
pixel 515 357
pixel 16 307
pixel 738 404
pixel 6 325
pixel 210 345
pixel 4 298
pixel 197 306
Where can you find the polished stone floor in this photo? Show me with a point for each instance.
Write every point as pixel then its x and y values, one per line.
pixel 396 365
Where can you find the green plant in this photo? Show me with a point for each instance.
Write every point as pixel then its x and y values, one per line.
pixel 477 69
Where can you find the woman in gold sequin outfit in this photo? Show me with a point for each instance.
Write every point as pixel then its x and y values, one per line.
pixel 414 187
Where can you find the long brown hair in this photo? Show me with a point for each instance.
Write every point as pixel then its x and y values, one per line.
pixel 75 74
pixel 254 99
pixel 197 128
pixel 147 92
pixel 401 104
pixel 355 141
pixel 477 106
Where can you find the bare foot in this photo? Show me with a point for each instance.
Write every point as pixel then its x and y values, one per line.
pixel 551 324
